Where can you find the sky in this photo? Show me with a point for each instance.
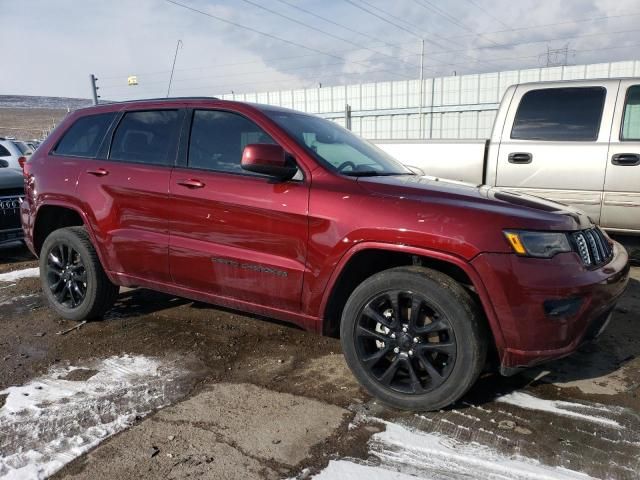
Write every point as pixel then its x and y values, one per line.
pixel 50 47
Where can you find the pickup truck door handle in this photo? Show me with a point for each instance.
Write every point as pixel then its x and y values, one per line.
pixel 626 159
pixel 99 172
pixel 520 157
pixel 191 183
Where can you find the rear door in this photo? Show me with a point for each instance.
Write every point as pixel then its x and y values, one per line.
pixel 126 189
pixel 553 145
pixel 620 209
pixel 234 233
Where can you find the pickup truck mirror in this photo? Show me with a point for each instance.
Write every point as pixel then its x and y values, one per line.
pixel 268 159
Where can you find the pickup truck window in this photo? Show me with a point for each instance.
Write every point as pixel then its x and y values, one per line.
pixel 218 139
pixel 145 137
pixel 85 136
pixel 560 114
pixel 631 123
pixel 335 147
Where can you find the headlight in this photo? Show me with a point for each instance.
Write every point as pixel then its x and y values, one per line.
pixel 538 244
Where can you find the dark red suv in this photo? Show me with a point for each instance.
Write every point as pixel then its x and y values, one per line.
pixel 287 215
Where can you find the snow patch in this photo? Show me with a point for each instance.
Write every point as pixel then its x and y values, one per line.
pixel 346 470
pixel 51 420
pixel 428 455
pixel 18 274
pixel 559 407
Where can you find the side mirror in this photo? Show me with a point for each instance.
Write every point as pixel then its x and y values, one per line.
pixel 268 159
pixel 4 164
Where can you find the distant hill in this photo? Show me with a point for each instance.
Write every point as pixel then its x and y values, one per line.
pixel 54 103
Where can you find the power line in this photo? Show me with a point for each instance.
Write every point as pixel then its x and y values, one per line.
pixel 324 32
pixel 386 20
pixel 265 34
pixel 431 7
pixel 492 17
pixel 346 27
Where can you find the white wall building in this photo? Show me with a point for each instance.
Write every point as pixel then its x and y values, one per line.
pixel 452 107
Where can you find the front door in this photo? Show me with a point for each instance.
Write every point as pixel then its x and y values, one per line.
pixel 234 233
pixel 621 206
pixel 129 193
pixel 553 145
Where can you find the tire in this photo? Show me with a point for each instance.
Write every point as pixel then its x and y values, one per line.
pixel 439 355
pixel 68 258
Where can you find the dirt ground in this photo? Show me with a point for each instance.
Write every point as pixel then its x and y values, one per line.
pixel 259 399
pixel 27 124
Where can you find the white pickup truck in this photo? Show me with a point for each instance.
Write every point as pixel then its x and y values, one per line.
pixel 575 142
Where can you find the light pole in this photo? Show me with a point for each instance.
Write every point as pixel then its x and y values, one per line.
pixel 178 45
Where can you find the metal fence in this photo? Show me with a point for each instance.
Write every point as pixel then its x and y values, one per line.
pixel 452 107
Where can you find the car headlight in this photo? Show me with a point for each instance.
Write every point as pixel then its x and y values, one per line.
pixel 538 244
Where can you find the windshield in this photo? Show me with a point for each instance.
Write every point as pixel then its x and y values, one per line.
pixel 336 147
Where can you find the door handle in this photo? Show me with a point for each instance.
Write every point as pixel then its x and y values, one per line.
pixel 626 159
pixel 191 183
pixel 520 157
pixel 99 172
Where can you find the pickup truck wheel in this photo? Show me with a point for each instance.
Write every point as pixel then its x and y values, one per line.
pixel 414 338
pixel 72 277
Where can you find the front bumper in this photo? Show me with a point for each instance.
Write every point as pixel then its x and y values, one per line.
pixel 545 308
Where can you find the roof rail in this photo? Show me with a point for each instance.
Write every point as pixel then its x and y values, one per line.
pixel 109 102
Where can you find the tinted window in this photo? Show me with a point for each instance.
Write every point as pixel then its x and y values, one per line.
pixel 631 122
pixel 146 137
pixel 4 152
pixel 569 114
pixel 218 138
pixel 85 135
pixel 23 147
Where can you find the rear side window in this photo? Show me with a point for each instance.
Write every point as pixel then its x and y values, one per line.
pixel 218 139
pixel 631 122
pixel 4 152
pixel 84 137
pixel 146 137
pixel 560 114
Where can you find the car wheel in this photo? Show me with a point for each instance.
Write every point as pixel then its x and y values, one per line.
pixel 72 277
pixel 414 338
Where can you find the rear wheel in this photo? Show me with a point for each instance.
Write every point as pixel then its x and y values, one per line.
pixel 414 338
pixel 72 277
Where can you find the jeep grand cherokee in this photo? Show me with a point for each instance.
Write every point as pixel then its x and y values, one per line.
pixel 288 215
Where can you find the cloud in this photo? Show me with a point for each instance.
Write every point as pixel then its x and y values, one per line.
pixel 52 47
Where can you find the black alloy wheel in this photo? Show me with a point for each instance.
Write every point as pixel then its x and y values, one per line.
pixel 66 275
pixel 405 342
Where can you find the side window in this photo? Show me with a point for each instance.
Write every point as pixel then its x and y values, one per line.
pixel 560 114
pixel 146 137
pixel 4 152
pixel 631 122
pixel 85 136
pixel 218 138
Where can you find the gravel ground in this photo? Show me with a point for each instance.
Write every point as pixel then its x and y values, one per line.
pixel 244 397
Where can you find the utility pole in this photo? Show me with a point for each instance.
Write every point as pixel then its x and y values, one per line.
pixel 94 89
pixel 174 66
pixel 420 103
pixel 347 116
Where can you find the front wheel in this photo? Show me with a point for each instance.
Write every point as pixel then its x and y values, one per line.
pixel 414 338
pixel 72 277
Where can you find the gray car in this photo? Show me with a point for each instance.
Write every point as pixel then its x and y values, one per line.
pixel 12 151
pixel 11 195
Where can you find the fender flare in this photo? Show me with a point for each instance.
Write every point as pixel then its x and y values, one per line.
pixel 85 221
pixel 464 265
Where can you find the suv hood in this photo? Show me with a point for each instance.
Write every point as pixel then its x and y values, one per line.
pixel 539 212
pixel 10 179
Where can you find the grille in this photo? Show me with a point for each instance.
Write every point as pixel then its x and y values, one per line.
pixel 593 247
pixel 10 212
